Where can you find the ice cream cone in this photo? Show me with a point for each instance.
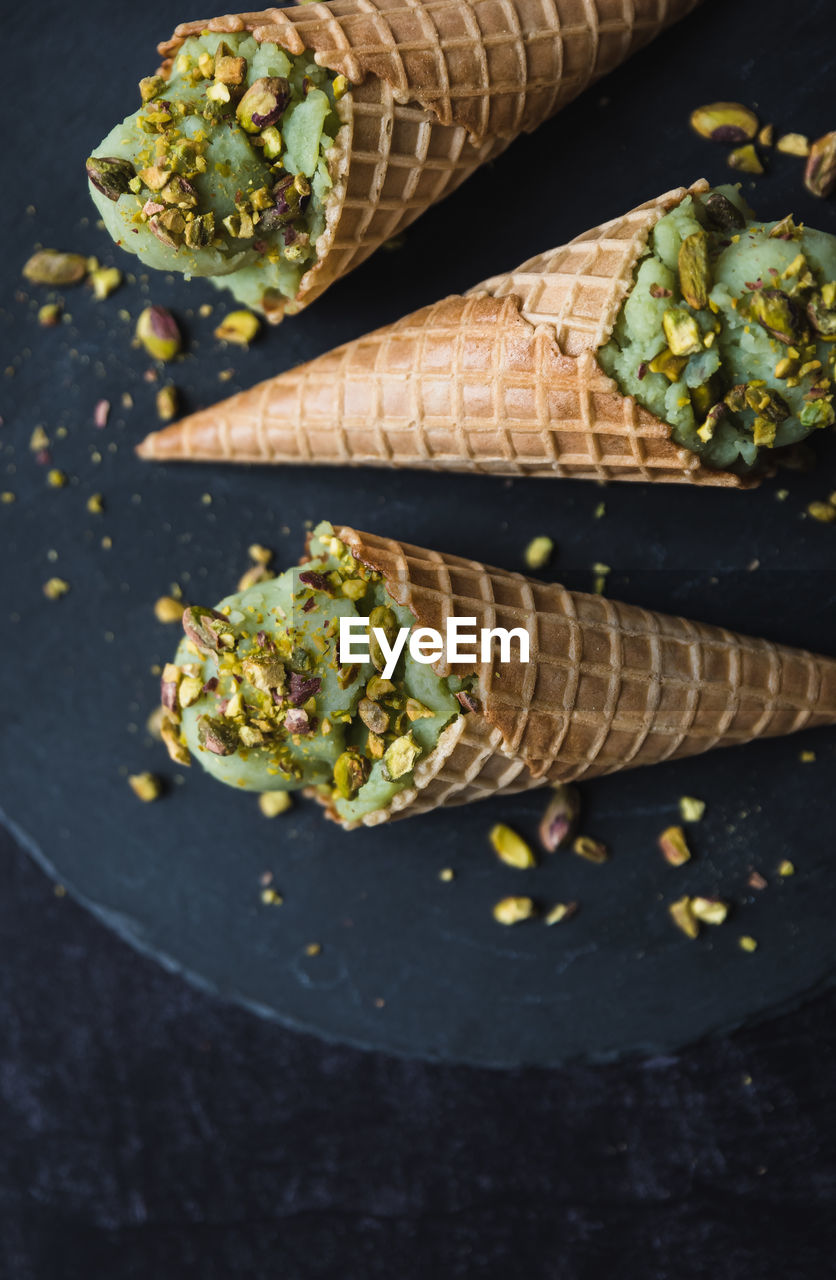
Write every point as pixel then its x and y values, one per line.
pixel 502 380
pixel 437 88
pixel 608 686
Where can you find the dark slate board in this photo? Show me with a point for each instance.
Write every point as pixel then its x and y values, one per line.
pixel 408 963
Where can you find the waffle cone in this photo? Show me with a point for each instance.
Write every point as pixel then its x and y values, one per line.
pixel 438 88
pixel 502 380
pixel 608 686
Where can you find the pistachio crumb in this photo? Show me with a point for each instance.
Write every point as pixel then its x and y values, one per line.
pixel 239 327
pixel 55 588
pixel 513 910
pixel 447 874
pixel 95 504
pixel 600 511
pixel 271 898
pixel 510 848
pixel 105 281
pixel 313 949
pixel 683 917
pixel 591 850
pixel 793 144
pixel 559 912
pixel 601 572
pixel 261 555
pixel 786 868
pixel 167 609
pixel 539 551
pixel 747 943
pixel 56 479
pixel 807 757
pixel 145 786
pixel 709 910
pixel 7 497
pixel 822 511
pixel 674 847
pixel 272 803
pixel 691 809
pixel 167 403
pixel 206 499
pixel 49 315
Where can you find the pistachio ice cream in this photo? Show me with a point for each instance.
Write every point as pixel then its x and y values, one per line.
pixel 257 693
pixel 222 172
pixel 728 331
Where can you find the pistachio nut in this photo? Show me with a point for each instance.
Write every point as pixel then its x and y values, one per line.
pixel 559 912
pixel 821 309
pixel 50 267
pixel 288 194
pixel 712 419
pixel 239 327
pixel 173 742
pixel 271 804
pixel 763 432
pixel 510 847
pixel 692 809
pixel 725 122
pixel 216 736
pixel 167 403
pixel 271 142
pixel 683 917
pixel 709 910
pixel 793 144
pixel 591 850
pixel 263 104
pixel 382 619
pixel 105 280
pixel 110 174
pixel 151 87
pixel 513 910
pixel 681 331
pixel 145 786
pixel 786 229
pixel 775 312
pixel 820 172
pixel 399 758
pixel 350 772
pixel 746 159
pixel 169 227
pixel 178 191
pixel 674 847
pixel 208 630
pixel 694 271
pixel 200 231
pixel 668 364
pixel 722 214
pixel 763 400
pixel 157 330
pixel 49 315
pixel 373 715
pixel 817 413
pixel 229 70
pixel 557 826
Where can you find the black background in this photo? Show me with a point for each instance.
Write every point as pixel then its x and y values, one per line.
pixel 148 1129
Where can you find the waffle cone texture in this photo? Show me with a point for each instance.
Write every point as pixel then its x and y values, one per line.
pixel 502 380
pixel 437 88
pixel 608 686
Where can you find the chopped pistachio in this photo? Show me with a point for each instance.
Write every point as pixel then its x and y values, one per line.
pixel 510 848
pixel 339 87
pixel 709 910
pixel 49 315
pixel 820 173
pixel 539 551
pixel 681 331
pixel 399 759
pixel 766 135
pixel 793 144
pixel 55 588
pixel 167 609
pixel 350 772
pixel 263 103
pixel 747 943
pixel 56 479
pixel 725 122
pixel 786 868
pixel 7 497
pixel 251 578
pixel 38 440
pixel 101 413
pixel 50 267
pixel 559 912
pixel 416 710
pixel 190 689
pixel 269 896
pixel 447 874
pixel 105 281
pixel 668 364
pixel 272 803
pixel 674 846
pixel 145 786
pixel 746 159
pixel 173 742
pixel 313 949
pixel 822 511
pixel 807 757
pixel 513 910
pixel 557 826
pixel 151 87
pixel 691 809
pixel 261 555
pixel 683 917
pixel 271 142
pixel 229 70
pixel 167 403
pixel 239 327
pixel 159 334
pixel 591 850
pixel 694 274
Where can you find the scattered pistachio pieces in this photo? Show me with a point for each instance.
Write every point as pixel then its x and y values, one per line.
pixel 691 809
pixel 786 868
pixel 824 512
pixel 820 172
pixel 239 327
pixel 49 315
pixel 674 847
pixel 591 850
pixel 793 144
pixel 145 786
pixel 746 159
pixel 747 943
pixel 105 281
pixel 39 440
pixel 167 609
pixel 270 897
pixel 111 175
pixel 167 403
pixel 557 826
pixel 807 757
pixel 683 917
pixel 56 479
pixel 261 555
pixel 539 551
pixel 725 122
pixel 399 759
pixel 709 910
pixel 55 588
pixel 313 949
pixel 559 912
pixel 50 267
pixel 272 803
pixel 510 848
pixel 766 135
pixel 447 874
pixel 513 910
pixel 158 332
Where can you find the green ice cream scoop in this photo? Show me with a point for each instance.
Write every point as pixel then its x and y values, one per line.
pixel 257 692
pixel 728 331
pixel 223 171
